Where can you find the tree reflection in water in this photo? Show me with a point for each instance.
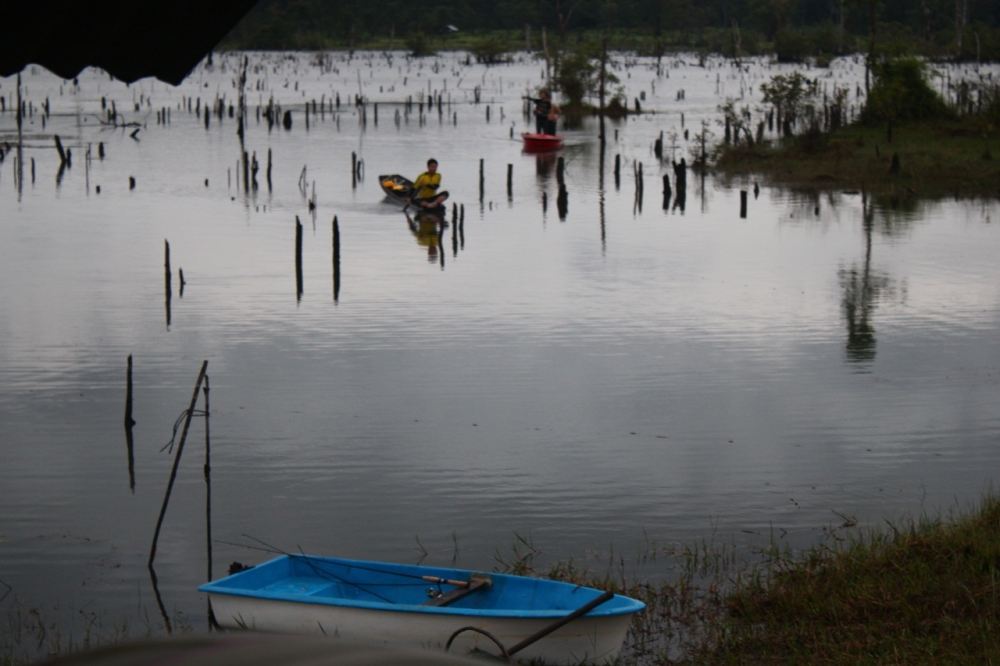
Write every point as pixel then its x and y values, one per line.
pixel 864 287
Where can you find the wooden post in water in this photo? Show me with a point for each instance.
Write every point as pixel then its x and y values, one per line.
pixel 245 166
pixel 743 204
pixel 19 173
pixel 336 259
pixel 618 170
pixel 63 156
pixel 129 422
pixel 298 259
pixel 167 288
pixel 354 170
pixel 177 460
pixel 268 169
pixel 510 180
pixel 481 180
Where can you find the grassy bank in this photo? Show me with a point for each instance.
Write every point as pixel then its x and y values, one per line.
pixel 928 592
pixel 936 159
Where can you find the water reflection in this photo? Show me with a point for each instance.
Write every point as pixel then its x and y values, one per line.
pixel 427 228
pixel 601 203
pixel 863 287
pixel 544 164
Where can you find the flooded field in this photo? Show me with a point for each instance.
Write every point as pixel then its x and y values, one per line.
pixel 614 376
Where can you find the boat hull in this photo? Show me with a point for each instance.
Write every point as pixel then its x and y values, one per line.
pixel 397 188
pixel 396 605
pixel 538 143
pixel 586 640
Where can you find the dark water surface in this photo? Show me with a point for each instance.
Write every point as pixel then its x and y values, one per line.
pixel 624 378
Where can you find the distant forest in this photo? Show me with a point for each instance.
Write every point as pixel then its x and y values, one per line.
pixel 965 28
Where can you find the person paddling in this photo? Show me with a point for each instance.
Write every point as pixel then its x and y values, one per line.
pixel 425 187
pixel 546 113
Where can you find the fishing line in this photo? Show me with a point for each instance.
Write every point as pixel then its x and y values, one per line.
pixel 353 565
pixel 177 424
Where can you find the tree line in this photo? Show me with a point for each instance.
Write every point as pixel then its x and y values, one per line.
pixel 964 28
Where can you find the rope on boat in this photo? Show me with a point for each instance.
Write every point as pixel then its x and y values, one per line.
pixel 541 633
pixel 420 579
pixel 320 572
pixel 496 641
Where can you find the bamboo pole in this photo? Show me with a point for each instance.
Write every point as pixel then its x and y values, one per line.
pixel 177 462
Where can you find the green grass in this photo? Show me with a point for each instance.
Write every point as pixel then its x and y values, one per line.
pixel 926 593
pixel 946 158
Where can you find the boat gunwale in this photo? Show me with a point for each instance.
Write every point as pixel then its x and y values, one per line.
pixel 630 606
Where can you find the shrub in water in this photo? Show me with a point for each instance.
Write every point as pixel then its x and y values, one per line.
pixel 901 92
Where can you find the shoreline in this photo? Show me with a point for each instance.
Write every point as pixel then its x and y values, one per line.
pixel 913 589
pixel 959 158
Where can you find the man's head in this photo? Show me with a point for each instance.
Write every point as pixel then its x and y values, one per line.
pixel 432 165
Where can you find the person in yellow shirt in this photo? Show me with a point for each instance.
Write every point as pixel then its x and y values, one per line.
pixel 425 187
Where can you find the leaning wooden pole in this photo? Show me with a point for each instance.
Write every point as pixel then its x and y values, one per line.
pixel 177 462
pixel 208 502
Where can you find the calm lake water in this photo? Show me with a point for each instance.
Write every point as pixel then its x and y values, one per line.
pixel 619 380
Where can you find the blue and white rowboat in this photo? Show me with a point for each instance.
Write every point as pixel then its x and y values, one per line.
pixel 404 605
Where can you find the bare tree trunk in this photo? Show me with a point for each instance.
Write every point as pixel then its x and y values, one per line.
pixel 602 82
pixel 961 16
pixel 872 22
pixel 843 20
pixel 545 50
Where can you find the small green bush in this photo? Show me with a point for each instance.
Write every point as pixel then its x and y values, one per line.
pixel 901 92
pixel 490 50
pixel 791 46
pixel 418 45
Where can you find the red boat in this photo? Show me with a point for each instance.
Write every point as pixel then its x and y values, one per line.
pixel 537 143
